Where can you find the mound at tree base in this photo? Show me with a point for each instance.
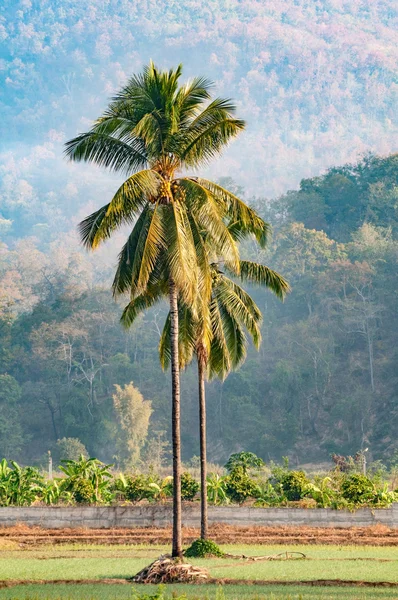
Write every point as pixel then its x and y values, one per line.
pixel 169 570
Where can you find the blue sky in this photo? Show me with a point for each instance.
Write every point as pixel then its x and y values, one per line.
pixel 316 81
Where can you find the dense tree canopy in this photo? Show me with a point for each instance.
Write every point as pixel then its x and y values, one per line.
pixel 325 379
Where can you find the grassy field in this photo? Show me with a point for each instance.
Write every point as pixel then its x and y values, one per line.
pixel 205 592
pixel 95 563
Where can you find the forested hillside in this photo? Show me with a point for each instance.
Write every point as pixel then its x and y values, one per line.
pixel 325 379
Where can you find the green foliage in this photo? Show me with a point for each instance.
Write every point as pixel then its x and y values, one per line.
pixel 322 492
pixel 203 549
pixel 19 486
pixel 279 471
pixel 88 478
pixel 88 481
pixel 239 486
pixel 83 491
pixel 68 449
pixel 267 495
pixel 295 485
pixel 384 497
pixel 11 439
pixel 133 415
pixel 160 594
pixel 358 489
pixel 160 490
pixel 312 381
pixel 54 493
pixel 217 489
pixel 136 488
pixel 246 460
pixel 189 487
pixel 337 201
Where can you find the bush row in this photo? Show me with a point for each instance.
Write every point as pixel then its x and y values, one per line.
pixel 89 481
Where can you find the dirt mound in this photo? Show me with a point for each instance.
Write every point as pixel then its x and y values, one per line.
pixel 168 570
pixel 378 535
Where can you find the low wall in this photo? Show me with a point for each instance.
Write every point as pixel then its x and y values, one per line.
pixel 160 515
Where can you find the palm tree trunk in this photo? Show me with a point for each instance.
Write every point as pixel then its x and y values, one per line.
pixel 176 433
pixel 203 457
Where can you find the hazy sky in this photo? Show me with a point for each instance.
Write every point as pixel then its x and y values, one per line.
pixel 316 81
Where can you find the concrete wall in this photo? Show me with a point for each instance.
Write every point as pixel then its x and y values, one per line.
pixel 158 515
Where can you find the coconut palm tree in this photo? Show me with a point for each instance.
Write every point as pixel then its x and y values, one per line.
pixel 153 131
pixel 231 311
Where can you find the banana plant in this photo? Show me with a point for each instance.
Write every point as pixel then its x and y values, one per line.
pixel 322 492
pixel 91 470
pixel 160 491
pixel 216 489
pixel 19 486
pixel 54 493
pixel 268 496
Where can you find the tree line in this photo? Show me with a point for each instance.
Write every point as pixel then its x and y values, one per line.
pixel 324 380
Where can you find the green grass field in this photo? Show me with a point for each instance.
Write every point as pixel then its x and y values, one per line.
pixel 88 562
pixel 232 592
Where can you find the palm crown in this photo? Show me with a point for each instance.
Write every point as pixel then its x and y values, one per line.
pixel 161 128
pixel 231 312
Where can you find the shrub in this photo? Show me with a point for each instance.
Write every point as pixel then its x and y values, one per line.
pixel 246 460
pixel 136 488
pixel 357 489
pixel 202 549
pixel 295 485
pixel 189 487
pixel 278 472
pixel 83 491
pixel 239 486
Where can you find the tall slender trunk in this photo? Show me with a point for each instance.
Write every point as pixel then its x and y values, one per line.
pixel 176 433
pixel 203 457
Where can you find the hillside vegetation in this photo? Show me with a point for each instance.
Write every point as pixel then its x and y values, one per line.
pixel 324 381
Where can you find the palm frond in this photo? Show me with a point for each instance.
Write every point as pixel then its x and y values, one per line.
pixel 140 304
pixel 138 259
pixel 235 339
pixel 149 130
pixel 126 259
pixel 107 151
pixel 129 199
pixel 190 97
pixel 187 337
pixel 202 256
pixel 219 358
pixel 210 142
pixel 239 213
pixel 240 305
pixel 209 217
pixel 181 256
pixel 262 275
pixel 153 244
pixel 88 228
pixel 165 345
